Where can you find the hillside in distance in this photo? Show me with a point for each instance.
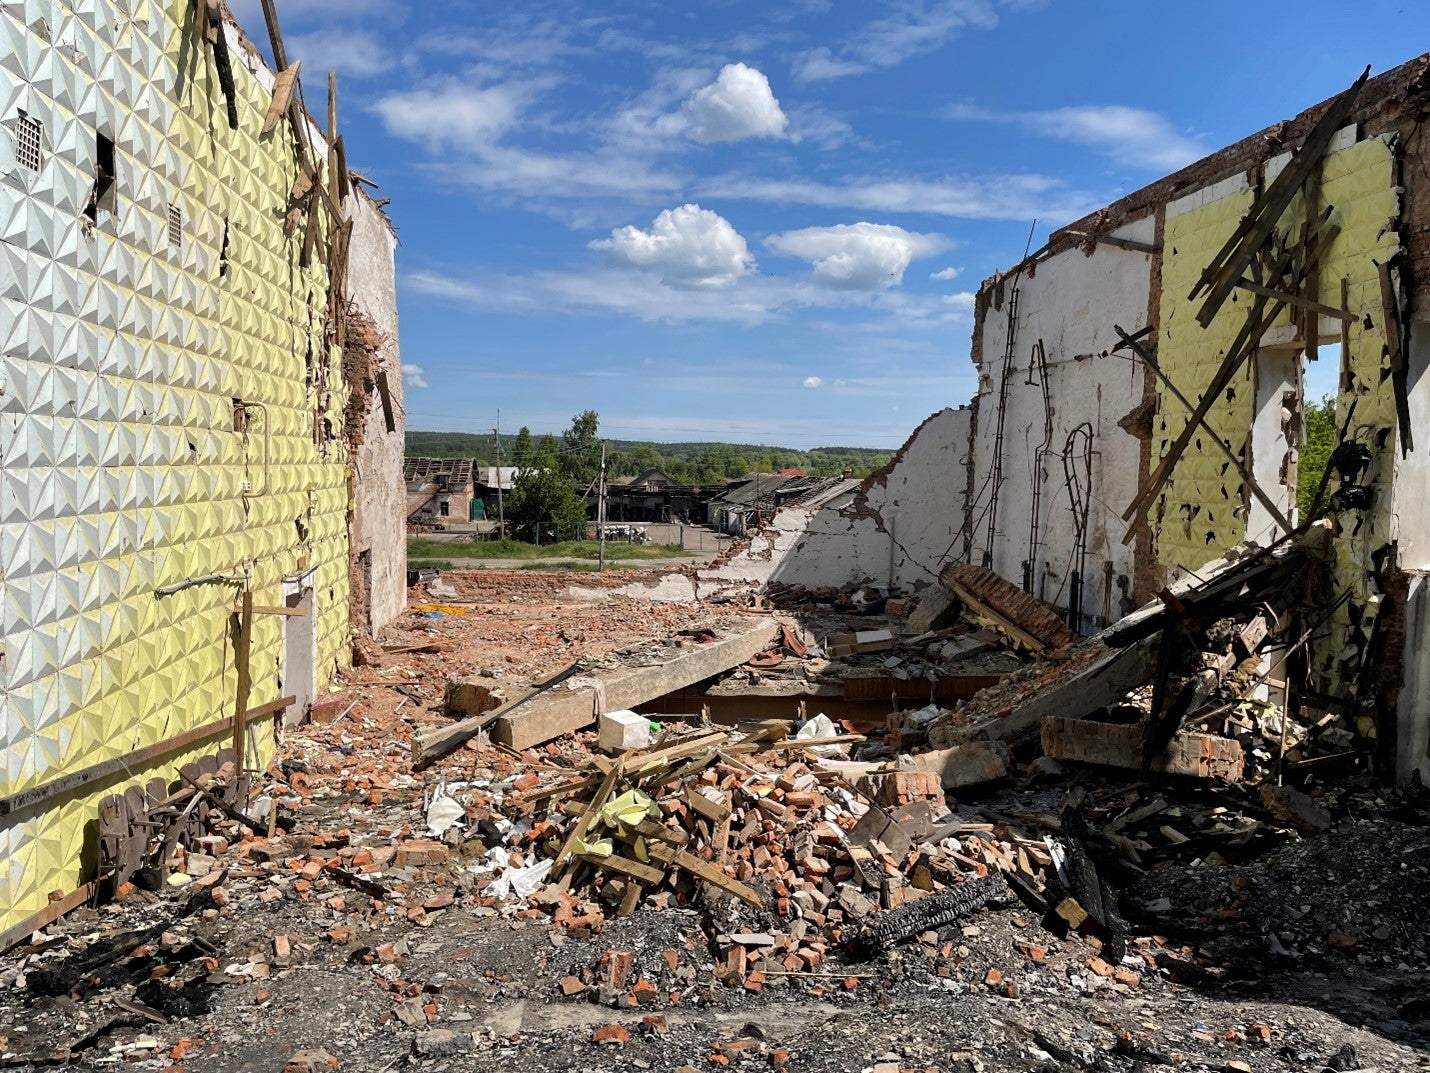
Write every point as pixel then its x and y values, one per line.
pixel 688 463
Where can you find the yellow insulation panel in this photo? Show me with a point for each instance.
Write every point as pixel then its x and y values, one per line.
pixel 126 342
pixel 1202 511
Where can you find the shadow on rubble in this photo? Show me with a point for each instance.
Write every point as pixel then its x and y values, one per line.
pixel 1244 908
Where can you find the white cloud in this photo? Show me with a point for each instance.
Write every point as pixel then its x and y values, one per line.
pixel 352 53
pixel 911 28
pixel 689 246
pixel 739 104
pixel 813 382
pixel 470 125
pixel 994 197
pixel 812 123
pixel 752 300
pixel 451 114
pixel 946 273
pixel 858 257
pixel 1132 137
pixel 532 175
pixel 413 376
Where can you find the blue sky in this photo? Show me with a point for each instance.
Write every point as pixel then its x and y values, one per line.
pixel 765 222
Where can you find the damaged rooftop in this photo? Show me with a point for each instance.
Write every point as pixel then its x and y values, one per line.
pixel 1085 731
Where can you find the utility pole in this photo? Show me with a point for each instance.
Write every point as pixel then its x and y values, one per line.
pixel 501 504
pixel 601 513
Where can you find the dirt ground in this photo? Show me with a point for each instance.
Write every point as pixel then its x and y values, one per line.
pixel 348 940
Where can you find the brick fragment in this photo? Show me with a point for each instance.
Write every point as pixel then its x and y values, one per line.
pixel 612 1035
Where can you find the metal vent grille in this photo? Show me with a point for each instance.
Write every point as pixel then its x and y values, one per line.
pixel 28 135
pixel 176 227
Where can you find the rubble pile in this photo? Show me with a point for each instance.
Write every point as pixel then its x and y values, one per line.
pixel 809 847
pixel 1020 856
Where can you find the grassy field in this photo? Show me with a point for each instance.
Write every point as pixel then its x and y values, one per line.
pixel 420 548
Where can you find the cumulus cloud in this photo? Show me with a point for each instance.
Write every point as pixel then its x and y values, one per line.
pixel 946 273
pixel 689 246
pixel 1132 137
pixel 739 104
pixel 813 382
pixel 857 257
pixel 413 376
pixel 450 113
pixel 352 53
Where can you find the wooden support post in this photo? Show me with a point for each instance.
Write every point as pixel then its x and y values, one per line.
pixel 241 662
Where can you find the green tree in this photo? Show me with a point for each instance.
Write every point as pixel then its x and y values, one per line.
pixel 1320 419
pixel 581 448
pixel 521 452
pixel 543 505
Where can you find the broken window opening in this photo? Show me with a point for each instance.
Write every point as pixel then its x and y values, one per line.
pixel 102 193
pixel 1274 437
pixel 444 508
pixel 176 226
pixel 223 252
pixel 29 135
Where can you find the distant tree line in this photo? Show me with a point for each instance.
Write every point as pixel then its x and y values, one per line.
pixel 579 448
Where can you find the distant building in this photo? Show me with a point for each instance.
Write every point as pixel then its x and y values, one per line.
pixel 754 498
pixel 440 491
pixel 490 484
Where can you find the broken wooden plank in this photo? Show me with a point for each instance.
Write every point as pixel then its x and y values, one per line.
pixel 283 88
pixel 428 745
pixel 1115 240
pixel 1256 227
pixel 288 612
pixel 859 642
pixel 707 872
pixel 614 862
pixel 58 907
pixel 1085 741
pixel 712 810
pixel 1248 339
pixel 1295 300
pixel 384 393
pixel 582 825
pixel 1251 483
pixel 570 710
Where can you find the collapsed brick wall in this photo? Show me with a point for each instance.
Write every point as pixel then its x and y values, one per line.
pixel 362 344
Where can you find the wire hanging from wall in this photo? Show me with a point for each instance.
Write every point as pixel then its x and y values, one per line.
pixel 1077 454
pixel 1040 456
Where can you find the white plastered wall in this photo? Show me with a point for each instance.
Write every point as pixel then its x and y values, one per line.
pixel 380 511
pixel 1071 303
pixel 901 527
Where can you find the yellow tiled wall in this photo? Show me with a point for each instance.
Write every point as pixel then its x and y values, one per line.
pixel 1202 510
pixel 121 471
